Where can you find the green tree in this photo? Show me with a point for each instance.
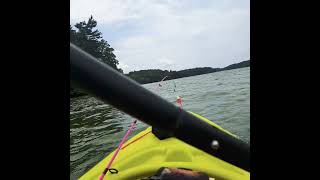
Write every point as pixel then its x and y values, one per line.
pixel 89 38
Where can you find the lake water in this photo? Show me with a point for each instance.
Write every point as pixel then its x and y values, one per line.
pixel 97 128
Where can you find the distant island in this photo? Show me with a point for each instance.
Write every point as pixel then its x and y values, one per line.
pixel 156 75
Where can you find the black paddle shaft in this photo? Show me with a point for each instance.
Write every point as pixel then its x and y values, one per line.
pixel 114 88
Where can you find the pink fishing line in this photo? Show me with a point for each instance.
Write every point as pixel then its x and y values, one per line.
pixel 132 126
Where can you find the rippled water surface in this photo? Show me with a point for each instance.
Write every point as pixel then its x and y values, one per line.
pixel 97 128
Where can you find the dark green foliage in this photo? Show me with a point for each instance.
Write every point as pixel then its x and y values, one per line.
pixel 238 65
pixel 88 38
pixel 155 75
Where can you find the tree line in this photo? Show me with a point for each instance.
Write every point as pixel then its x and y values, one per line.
pixel 155 75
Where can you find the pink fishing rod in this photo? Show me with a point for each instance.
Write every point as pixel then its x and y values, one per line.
pixel 132 126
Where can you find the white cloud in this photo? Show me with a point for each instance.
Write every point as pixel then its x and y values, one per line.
pixel 105 11
pixel 184 33
pixel 124 67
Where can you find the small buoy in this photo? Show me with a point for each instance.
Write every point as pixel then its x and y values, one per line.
pixel 179 100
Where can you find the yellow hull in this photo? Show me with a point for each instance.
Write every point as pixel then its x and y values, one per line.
pixel 144 154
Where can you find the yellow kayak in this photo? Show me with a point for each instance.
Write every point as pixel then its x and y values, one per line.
pixel 144 154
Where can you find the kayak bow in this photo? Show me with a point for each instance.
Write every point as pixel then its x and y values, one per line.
pixel 144 154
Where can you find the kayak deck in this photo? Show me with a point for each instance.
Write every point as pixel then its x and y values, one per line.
pixel 144 154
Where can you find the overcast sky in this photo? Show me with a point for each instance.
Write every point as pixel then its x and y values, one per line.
pixel 171 34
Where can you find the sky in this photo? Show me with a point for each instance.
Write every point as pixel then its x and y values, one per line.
pixel 170 34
